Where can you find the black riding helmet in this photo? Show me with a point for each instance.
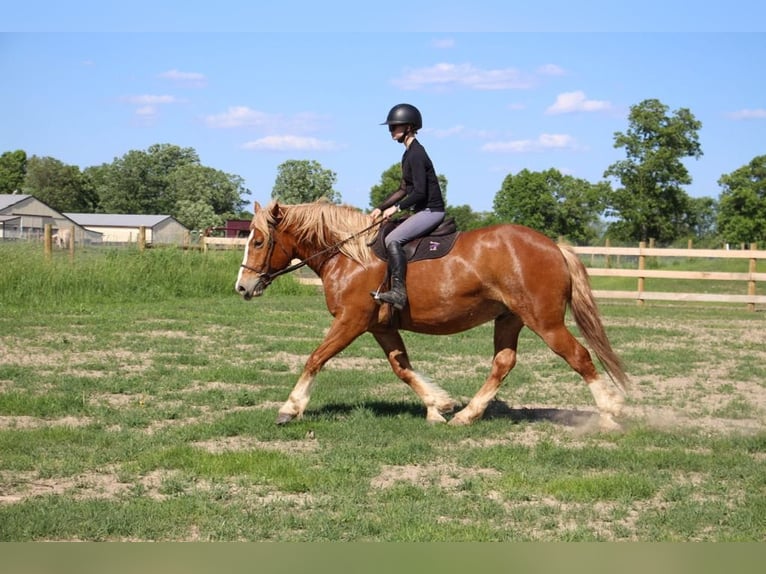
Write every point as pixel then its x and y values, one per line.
pixel 404 114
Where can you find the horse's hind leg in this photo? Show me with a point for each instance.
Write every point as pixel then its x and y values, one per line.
pixel 507 329
pixel 609 399
pixel 436 399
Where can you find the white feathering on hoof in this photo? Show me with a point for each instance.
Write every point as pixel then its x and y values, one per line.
pixel 609 397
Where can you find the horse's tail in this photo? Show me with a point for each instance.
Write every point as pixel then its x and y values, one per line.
pixel 586 315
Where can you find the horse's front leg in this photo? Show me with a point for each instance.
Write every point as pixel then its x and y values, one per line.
pixel 436 399
pixel 339 336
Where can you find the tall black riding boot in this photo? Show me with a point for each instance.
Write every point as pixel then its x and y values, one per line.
pixel 397 265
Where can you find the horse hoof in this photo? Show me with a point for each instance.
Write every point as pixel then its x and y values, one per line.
pixel 458 421
pixel 284 418
pixel 608 424
pixel 435 419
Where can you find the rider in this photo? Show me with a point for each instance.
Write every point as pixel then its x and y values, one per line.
pixel 418 191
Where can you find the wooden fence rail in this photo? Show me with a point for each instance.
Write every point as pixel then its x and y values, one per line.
pixel 641 253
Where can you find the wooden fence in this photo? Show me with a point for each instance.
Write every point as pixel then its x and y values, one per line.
pixel 640 273
pixel 641 253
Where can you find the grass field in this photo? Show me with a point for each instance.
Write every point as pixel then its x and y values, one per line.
pixel 138 396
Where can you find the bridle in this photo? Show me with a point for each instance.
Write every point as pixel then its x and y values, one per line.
pixel 269 276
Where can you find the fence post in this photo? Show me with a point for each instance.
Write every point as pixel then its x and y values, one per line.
pixel 607 244
pixel 641 267
pixel 48 240
pixel 141 238
pixel 751 282
pixel 71 243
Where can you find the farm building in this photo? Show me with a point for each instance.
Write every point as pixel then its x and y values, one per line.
pixel 124 228
pixel 23 216
pixel 237 227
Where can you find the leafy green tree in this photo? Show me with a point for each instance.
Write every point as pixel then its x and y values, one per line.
pixel 13 169
pixel 197 214
pixel 61 186
pixel 195 183
pixel 391 179
pixel 467 219
pixel 304 181
pixel 552 203
pixel 139 181
pixel 651 202
pixel 742 203
pixel 703 218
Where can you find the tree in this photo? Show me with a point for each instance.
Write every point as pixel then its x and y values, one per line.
pixel 552 203
pixel 391 180
pixel 61 186
pixel 703 216
pixel 203 196
pixel 742 203
pixel 197 214
pixel 651 202
pixel 304 181
pixel 139 181
pixel 13 169
pixel 467 219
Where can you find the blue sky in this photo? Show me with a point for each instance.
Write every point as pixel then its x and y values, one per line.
pixel 501 88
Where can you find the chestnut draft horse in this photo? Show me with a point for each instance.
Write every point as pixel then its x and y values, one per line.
pixel 505 273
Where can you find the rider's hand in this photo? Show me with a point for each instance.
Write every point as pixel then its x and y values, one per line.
pixel 390 211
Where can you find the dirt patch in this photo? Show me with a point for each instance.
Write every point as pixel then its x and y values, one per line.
pixel 27 422
pixel 448 477
pixel 243 443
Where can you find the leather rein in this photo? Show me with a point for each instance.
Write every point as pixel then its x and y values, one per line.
pixel 269 276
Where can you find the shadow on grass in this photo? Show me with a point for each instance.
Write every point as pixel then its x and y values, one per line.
pixel 496 410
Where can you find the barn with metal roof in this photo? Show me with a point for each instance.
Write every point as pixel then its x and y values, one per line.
pixel 124 228
pixel 23 216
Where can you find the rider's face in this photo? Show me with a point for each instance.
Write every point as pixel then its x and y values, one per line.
pixel 397 131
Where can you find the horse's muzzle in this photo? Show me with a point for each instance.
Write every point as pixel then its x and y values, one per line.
pixel 250 289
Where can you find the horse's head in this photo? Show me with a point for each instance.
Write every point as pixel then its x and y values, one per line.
pixel 264 255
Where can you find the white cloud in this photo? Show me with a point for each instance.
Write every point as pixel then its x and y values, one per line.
pixel 569 102
pixel 147 105
pixel 150 100
pixel 239 116
pixel 446 75
pixel 188 78
pixel 244 116
pixel 444 43
pixel 551 70
pixel 745 114
pixel 453 131
pixel 290 143
pixel 146 111
pixel 543 142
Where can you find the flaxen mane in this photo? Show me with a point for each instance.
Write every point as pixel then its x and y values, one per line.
pixel 323 224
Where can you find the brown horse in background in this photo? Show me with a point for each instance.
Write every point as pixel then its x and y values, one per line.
pixel 505 273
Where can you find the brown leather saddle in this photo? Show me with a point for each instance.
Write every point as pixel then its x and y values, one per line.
pixel 436 244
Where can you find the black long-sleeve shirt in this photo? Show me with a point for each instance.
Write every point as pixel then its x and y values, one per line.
pixel 420 181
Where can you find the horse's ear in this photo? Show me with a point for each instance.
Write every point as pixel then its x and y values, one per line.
pixel 256 207
pixel 276 212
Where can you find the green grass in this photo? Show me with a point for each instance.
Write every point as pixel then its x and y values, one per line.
pixel 152 418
